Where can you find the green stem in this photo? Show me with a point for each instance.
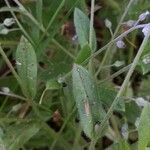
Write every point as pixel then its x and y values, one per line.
pixel 91 33
pixel 13 95
pixel 131 50
pixel 91 22
pixel 3 42
pixel 19 24
pixel 107 54
pixel 41 99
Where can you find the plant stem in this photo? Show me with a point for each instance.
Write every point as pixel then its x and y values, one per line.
pixel 10 66
pixel 41 98
pixel 91 22
pixel 19 24
pixel 124 85
pixel 122 70
pixel 107 54
pixel 116 39
pixel 13 95
pixel 91 34
pixel 131 50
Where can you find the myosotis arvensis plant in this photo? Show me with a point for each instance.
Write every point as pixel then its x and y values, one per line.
pixel 87 77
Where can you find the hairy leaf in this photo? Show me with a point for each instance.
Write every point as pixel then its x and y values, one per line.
pixel 85 94
pixel 82 26
pixel 27 67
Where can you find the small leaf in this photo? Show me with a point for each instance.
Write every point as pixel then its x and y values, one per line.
pixel 2 146
pixel 83 54
pixel 82 26
pixel 88 104
pixel 144 128
pixel 53 85
pixel 27 67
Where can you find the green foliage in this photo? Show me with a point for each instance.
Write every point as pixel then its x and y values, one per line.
pixel 88 103
pixel 27 67
pixel 144 128
pixel 52 94
pixel 16 136
pixel 82 92
pixel 82 26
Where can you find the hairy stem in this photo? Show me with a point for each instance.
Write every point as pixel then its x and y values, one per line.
pixel 107 54
pixel 91 34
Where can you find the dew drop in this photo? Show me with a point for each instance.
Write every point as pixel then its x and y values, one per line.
pixel 146 60
pixel 18 63
pixel 5 89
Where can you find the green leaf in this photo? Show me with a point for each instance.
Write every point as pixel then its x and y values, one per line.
pixel 27 67
pixel 84 53
pixel 82 26
pixel 2 146
pixel 17 135
pixel 144 128
pixel 88 104
pixel 53 85
pixel 132 112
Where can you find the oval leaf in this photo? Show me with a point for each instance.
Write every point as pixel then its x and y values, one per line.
pixel 82 26
pixel 85 94
pixel 27 67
